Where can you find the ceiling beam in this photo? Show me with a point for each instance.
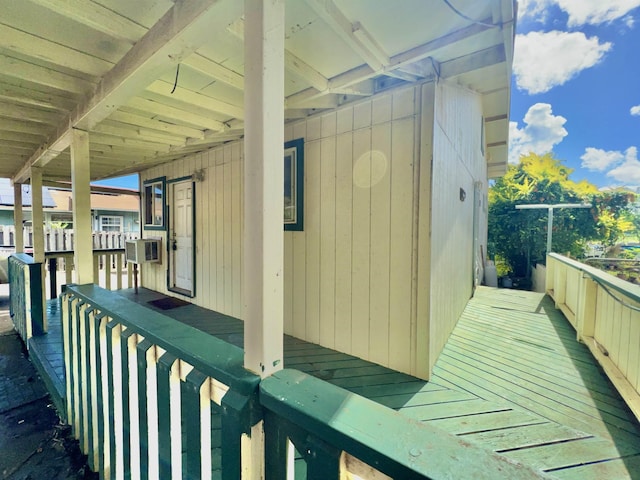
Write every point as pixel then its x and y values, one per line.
pixel 183 29
pixel 65 185
pixel 365 72
pixel 33 98
pixel 110 127
pixel 473 61
pixel 96 17
pixel 164 89
pixel 22 126
pixel 214 70
pixel 159 126
pixel 15 40
pixel 291 62
pixel 16 68
pixel 353 34
pixel 181 115
pixel 29 114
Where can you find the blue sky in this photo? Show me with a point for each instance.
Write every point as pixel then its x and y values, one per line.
pixel 576 87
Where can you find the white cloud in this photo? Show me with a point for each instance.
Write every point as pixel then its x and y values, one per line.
pixel 581 12
pixel 537 9
pixel 628 172
pixel 544 60
pixel 595 12
pixel 635 110
pixel 599 160
pixel 542 131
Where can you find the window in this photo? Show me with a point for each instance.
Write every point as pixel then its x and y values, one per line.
pixel 294 185
pixel 154 204
pixel 111 223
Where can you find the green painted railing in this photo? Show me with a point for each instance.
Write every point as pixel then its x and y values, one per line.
pixel 150 397
pixel 26 296
pixel 605 311
pixel 339 435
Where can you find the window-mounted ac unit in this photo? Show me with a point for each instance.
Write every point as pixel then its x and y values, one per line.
pixel 144 250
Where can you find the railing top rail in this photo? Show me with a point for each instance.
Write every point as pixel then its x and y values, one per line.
pixel 395 444
pixel 629 290
pixel 210 355
pixel 23 258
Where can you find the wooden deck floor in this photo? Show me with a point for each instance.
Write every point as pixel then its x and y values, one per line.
pixel 512 379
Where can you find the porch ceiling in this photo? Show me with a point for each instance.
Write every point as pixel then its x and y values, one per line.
pixel 109 67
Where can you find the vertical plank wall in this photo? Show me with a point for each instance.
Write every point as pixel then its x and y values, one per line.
pixel 351 275
pixel 218 225
pixel 348 275
pixel 458 162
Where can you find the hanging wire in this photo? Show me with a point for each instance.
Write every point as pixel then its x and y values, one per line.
pixel 477 22
pixel 175 84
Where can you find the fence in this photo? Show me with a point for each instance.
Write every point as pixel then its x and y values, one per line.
pixel 26 296
pixel 150 397
pixel 59 239
pixel 110 270
pixel 605 311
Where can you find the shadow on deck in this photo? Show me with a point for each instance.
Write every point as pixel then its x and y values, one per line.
pixel 512 379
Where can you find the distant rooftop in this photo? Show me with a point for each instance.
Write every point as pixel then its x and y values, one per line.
pixel 7 199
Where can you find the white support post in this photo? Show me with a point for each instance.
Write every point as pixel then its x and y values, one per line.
pixel 18 239
pixel 81 202
pixel 263 185
pixel 37 215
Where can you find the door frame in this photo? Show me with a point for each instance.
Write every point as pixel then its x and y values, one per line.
pixel 170 258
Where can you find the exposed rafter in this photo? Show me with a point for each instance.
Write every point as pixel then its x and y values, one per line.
pixel 196 99
pixel 291 62
pixel 176 36
pixel 97 17
pixel 399 61
pixel 354 34
pixel 215 70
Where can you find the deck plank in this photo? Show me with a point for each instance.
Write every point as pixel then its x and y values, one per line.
pixel 625 468
pixel 487 422
pixel 573 453
pixel 525 436
pixel 512 379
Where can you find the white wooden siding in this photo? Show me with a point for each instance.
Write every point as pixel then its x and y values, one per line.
pixel 457 163
pixel 218 203
pixel 359 277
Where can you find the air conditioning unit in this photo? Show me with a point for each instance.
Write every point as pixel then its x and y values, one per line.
pixel 144 250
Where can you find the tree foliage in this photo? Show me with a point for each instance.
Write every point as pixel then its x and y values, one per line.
pixel 520 236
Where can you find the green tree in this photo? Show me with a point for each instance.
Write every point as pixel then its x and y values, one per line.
pixel 519 236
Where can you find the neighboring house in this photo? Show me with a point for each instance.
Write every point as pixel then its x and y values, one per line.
pixel 7 202
pixel 110 212
pixel 116 211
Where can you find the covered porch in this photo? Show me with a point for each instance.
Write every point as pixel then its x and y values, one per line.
pixel 512 380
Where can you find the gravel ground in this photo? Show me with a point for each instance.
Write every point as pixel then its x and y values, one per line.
pixel 33 442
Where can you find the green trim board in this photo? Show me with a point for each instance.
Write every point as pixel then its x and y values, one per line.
pixel 154 204
pixel 343 420
pixel 294 185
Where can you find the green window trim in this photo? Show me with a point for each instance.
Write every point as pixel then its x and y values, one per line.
pixel 293 214
pixel 154 203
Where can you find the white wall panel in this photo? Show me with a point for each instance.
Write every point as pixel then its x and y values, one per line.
pixel 351 277
pixel 457 164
